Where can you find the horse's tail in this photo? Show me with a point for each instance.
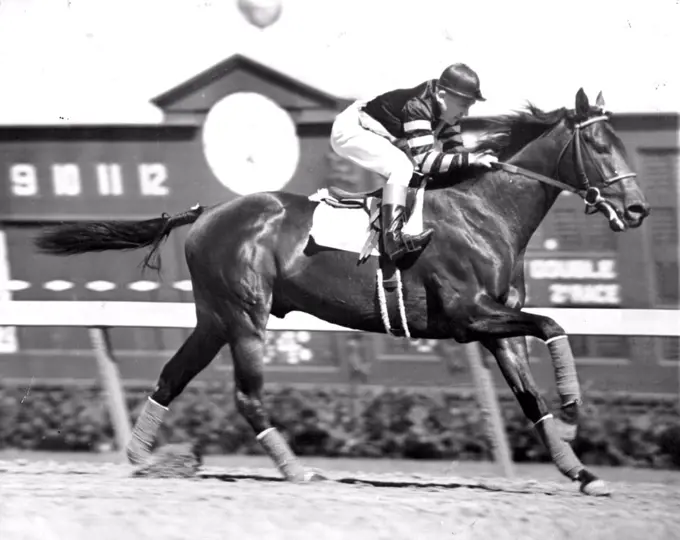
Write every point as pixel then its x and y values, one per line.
pixel 75 238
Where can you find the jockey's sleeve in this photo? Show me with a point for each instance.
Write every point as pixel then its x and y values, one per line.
pixel 419 133
pixel 451 138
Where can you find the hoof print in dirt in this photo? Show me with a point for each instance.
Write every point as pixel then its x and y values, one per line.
pixel 172 461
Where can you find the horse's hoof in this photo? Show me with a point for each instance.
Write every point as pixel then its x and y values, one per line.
pixel 171 461
pixel 592 485
pixel 312 476
pixel 596 488
pixel 137 457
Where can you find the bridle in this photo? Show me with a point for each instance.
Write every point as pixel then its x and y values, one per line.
pixel 590 194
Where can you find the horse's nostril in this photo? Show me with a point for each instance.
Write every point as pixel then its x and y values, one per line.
pixel 637 210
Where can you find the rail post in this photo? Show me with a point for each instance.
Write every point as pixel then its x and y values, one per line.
pixel 488 403
pixel 358 372
pixel 113 386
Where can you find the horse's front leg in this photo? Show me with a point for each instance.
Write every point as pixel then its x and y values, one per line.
pixel 512 357
pixel 489 320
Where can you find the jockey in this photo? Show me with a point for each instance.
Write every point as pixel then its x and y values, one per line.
pixel 402 131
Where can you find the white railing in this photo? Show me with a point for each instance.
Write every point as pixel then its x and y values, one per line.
pixel 607 322
pixel 98 316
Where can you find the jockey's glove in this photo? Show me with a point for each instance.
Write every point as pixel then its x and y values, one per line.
pixel 482 159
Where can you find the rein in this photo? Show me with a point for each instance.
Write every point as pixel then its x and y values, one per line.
pixel 590 194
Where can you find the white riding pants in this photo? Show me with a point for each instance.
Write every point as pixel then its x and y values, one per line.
pixel 354 137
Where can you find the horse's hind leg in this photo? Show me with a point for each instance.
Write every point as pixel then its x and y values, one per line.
pixel 248 356
pixel 192 357
pixel 512 357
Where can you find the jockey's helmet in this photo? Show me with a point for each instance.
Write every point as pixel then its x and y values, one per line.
pixel 459 79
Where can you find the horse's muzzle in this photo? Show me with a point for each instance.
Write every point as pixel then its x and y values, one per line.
pixel 636 213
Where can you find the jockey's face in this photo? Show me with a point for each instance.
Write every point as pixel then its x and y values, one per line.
pixel 453 106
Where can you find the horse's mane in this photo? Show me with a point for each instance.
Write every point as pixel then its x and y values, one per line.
pixel 505 135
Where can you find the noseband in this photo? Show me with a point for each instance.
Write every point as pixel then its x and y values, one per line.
pixel 590 194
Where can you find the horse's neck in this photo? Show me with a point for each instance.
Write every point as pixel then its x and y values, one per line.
pixel 520 201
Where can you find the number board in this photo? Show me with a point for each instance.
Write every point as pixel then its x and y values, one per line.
pixel 558 279
pixel 129 172
pixel 75 173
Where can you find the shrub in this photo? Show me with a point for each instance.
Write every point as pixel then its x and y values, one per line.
pixel 387 422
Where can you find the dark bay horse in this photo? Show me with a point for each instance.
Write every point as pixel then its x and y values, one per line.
pixel 252 257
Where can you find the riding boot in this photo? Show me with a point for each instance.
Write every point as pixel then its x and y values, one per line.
pixel 396 244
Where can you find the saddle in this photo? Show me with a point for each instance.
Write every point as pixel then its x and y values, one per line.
pixel 367 224
pixel 341 198
pixel 371 202
pixel 390 293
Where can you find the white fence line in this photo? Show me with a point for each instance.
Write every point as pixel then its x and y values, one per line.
pixel 608 322
pixel 98 316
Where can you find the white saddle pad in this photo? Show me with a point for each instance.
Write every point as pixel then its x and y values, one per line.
pixel 347 229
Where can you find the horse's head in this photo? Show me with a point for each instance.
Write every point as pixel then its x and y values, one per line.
pixel 594 162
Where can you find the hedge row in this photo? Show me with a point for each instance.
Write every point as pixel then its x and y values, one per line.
pixel 330 422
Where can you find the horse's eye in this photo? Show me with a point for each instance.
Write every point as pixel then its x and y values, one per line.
pixel 599 147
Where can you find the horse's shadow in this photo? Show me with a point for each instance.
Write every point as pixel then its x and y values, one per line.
pixel 372 482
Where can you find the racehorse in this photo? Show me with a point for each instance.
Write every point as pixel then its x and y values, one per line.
pixel 252 257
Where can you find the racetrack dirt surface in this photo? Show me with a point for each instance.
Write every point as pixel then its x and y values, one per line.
pixel 78 500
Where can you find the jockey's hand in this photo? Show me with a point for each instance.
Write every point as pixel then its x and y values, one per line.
pixel 482 159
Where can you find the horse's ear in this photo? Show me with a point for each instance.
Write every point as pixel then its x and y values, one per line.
pixel 582 103
pixel 600 101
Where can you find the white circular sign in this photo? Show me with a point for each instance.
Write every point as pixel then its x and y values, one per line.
pixel 250 143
